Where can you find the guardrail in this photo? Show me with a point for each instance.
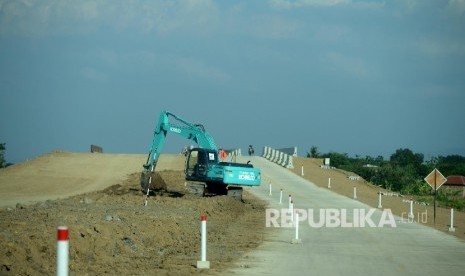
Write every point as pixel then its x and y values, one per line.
pixel 279 157
pixel 291 151
pixel 233 153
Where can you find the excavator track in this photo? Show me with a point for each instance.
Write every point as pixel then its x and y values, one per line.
pixel 196 188
pixel 235 192
pixel 202 189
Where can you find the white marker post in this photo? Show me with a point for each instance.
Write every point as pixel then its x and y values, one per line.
pixel 296 239
pixel 329 183
pixel 281 197
pixel 379 200
pixel 451 228
pixel 270 188
pixel 203 263
pixel 290 200
pixel 355 192
pixel 148 189
pixel 147 197
pixel 410 213
pixel 62 251
pixel 302 172
pixel 291 209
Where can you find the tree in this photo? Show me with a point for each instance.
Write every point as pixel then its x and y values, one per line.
pixel 451 165
pixel 404 157
pixel 337 159
pixel 313 152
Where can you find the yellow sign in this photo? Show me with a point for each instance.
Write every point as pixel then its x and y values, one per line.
pixel 435 179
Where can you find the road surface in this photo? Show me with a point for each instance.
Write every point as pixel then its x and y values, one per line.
pixel 407 249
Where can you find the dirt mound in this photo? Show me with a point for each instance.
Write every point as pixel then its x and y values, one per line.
pixel 111 232
pixel 62 174
pixel 153 181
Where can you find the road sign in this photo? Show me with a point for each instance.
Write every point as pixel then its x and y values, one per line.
pixel 435 179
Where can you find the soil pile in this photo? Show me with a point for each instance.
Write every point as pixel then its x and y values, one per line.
pixel 112 232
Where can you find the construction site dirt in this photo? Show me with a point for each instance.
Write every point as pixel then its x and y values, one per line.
pixel 113 232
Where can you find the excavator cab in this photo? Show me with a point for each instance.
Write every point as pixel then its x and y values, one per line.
pixel 198 162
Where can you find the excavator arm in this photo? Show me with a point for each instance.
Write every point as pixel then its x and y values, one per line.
pixel 168 122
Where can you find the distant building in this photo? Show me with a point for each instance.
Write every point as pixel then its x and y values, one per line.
pixel 455 183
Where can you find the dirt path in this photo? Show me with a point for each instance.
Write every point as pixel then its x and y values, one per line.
pixel 368 194
pixel 111 232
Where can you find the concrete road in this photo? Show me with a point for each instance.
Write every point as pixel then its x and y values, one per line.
pixel 406 249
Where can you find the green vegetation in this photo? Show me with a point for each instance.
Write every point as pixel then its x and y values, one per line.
pixel 3 163
pixel 2 155
pixel 404 172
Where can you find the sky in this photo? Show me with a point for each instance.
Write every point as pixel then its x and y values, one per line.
pixel 356 77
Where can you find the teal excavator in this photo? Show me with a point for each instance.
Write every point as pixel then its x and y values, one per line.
pixel 204 172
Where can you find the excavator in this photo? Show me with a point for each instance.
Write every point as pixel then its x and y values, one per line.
pixel 204 172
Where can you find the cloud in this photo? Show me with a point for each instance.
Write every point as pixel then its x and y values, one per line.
pixel 196 68
pixel 440 48
pixel 288 4
pixel 94 74
pixel 346 64
pixel 333 32
pixel 456 6
pixel 36 17
pixel 273 27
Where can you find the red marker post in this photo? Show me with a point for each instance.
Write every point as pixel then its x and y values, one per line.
pixel 203 263
pixel 62 251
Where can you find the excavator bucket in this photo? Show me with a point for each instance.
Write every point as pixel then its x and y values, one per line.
pixel 153 181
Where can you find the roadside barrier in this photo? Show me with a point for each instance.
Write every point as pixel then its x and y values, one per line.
pixel 276 157
pixel 289 151
pixel 62 251
pixel 203 263
pixel 279 157
pixel 232 154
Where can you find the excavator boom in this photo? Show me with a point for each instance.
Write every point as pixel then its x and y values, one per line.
pixel 181 127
